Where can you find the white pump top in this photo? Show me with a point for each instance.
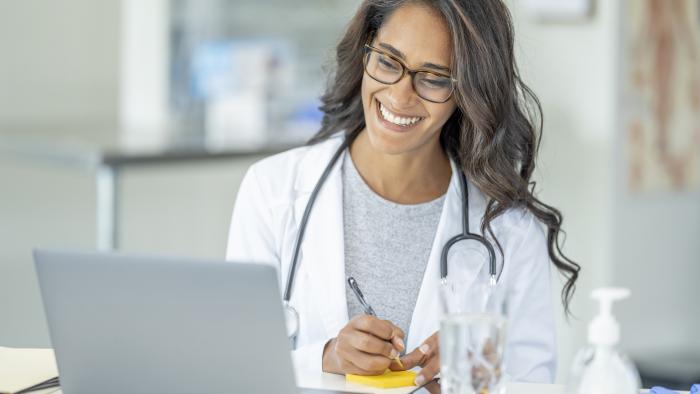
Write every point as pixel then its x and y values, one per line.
pixel 604 329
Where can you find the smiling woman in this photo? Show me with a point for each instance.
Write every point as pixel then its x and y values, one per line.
pixel 432 128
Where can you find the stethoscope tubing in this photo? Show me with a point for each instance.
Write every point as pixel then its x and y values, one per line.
pixel 464 236
pixel 467 236
pixel 305 218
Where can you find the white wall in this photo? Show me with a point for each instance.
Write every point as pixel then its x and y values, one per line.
pixel 59 62
pixel 648 243
pixel 572 68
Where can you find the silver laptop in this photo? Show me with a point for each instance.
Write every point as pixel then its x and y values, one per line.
pixel 138 324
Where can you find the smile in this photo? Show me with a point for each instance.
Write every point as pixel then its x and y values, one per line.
pixel 397 120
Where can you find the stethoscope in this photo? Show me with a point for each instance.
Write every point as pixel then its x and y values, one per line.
pixel 291 314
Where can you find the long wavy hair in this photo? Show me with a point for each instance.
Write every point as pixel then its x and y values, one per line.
pixel 495 132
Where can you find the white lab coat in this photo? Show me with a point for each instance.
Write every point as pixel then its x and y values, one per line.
pixel 266 216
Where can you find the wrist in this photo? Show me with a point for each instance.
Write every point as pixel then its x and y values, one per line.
pixel 329 363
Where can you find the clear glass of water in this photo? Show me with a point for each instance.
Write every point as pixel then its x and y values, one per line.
pixel 472 338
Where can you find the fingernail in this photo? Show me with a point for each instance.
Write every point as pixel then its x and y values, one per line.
pixel 394 353
pixel 401 344
pixel 424 348
pixel 419 380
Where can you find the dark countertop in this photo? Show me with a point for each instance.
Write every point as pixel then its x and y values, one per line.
pixel 93 150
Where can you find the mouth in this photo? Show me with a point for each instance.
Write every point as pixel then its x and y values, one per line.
pixel 395 122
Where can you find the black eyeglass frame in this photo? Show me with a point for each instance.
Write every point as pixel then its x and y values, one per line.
pixel 405 69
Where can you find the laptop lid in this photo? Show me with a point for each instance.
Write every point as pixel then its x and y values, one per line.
pixel 144 324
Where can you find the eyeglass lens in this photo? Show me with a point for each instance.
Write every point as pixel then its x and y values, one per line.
pixel 429 86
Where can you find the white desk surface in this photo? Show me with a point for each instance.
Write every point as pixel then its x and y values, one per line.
pixel 337 382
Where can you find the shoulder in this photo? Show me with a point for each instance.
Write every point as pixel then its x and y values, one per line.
pixel 516 222
pixel 519 228
pixel 519 221
pixel 279 174
pixel 515 226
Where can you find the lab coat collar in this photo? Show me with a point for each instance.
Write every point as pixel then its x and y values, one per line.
pixel 323 250
pixel 315 161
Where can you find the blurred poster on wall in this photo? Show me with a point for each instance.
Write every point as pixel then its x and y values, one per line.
pixel 558 10
pixel 661 94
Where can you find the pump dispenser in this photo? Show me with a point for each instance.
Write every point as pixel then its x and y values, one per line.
pixel 600 367
pixel 604 329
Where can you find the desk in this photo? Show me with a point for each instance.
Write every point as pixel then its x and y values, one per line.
pixel 106 157
pixel 337 382
pixel 329 381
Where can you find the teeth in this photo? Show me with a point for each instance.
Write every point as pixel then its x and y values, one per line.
pixel 398 120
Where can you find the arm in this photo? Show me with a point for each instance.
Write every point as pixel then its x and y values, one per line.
pixel 251 238
pixel 531 345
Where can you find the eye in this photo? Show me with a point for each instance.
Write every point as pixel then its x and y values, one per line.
pixel 435 82
pixel 387 63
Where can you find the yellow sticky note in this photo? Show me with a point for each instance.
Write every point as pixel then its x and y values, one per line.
pixel 388 380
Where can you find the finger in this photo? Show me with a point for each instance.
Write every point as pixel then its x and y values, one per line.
pixel 433 387
pixel 394 366
pixel 347 367
pixel 368 364
pixel 398 332
pixel 397 337
pixel 370 344
pixel 429 347
pixel 428 372
pixel 398 343
pixel 379 328
pixel 489 352
pixel 413 359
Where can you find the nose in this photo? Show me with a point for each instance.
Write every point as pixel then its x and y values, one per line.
pixel 402 94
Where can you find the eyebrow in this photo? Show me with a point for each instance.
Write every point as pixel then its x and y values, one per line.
pixel 400 54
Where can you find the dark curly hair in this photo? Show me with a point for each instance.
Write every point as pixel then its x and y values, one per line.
pixel 495 132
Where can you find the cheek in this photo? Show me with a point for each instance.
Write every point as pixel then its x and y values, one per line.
pixel 366 90
pixel 441 112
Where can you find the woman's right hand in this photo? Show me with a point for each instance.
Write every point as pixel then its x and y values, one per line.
pixel 365 346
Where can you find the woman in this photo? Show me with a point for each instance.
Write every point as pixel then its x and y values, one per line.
pixel 423 91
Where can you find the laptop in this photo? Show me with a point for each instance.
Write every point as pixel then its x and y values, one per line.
pixel 144 324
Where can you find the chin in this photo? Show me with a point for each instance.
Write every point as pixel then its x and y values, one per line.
pixel 383 142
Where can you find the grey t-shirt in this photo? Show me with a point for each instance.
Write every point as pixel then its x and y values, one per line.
pixel 387 246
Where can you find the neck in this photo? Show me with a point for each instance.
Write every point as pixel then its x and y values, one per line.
pixel 407 178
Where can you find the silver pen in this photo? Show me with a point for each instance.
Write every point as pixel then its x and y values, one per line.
pixel 366 307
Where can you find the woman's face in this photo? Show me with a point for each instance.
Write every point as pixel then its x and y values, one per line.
pixel 420 36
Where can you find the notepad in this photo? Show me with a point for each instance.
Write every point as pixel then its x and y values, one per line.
pixel 388 380
pixel 23 368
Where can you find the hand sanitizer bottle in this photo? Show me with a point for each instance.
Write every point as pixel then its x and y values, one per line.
pixel 600 367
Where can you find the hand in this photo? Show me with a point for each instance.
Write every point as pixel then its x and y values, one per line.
pixel 426 356
pixel 365 346
pixel 486 367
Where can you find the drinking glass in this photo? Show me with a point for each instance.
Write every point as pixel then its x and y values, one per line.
pixel 472 338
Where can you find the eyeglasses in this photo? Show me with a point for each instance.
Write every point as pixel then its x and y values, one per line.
pixel 388 69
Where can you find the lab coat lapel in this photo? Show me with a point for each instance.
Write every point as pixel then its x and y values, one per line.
pixel 323 246
pixel 427 312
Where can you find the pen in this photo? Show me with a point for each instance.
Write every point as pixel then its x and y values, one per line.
pixel 366 306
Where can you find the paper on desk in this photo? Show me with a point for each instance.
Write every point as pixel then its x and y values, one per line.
pixel 23 368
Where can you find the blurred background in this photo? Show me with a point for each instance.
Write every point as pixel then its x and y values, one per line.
pixel 128 125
